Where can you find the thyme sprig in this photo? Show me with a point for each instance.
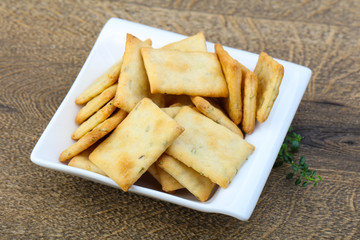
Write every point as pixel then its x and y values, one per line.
pixel 300 169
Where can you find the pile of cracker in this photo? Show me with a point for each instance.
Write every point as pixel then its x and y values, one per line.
pixel 178 112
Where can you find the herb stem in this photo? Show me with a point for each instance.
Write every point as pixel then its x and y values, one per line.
pixel 300 169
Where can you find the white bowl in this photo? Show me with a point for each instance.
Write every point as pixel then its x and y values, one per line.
pixel 241 196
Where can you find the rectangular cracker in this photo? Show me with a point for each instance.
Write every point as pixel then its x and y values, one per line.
pixel 249 108
pixel 193 181
pixel 133 81
pixel 270 74
pixel 136 143
pixel 94 120
pixel 93 136
pixel 233 76
pixel 95 104
pixel 209 148
pixel 189 73
pixel 168 183
pixel 213 111
pixel 195 43
pixel 107 79
pixel 82 161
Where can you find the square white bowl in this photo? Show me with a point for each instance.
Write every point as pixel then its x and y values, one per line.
pixel 240 197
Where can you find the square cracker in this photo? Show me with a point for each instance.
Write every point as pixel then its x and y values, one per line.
pixel 193 181
pixel 133 81
pixel 269 74
pixel 233 76
pixel 209 148
pixel 136 143
pixel 189 73
pixel 196 43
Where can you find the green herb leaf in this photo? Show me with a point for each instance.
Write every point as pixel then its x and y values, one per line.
pixel 299 168
pixel 290 176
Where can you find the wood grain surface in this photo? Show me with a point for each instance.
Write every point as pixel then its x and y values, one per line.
pixel 43 47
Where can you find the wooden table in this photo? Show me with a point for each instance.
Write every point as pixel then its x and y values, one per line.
pixel 45 43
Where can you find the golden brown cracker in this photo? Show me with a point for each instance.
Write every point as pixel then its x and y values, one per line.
pixel 168 183
pixel 93 136
pixel 133 81
pixel 107 79
pixel 193 181
pixel 195 43
pixel 212 111
pixel 269 74
pixel 209 148
pixel 233 76
pixel 136 143
pixel 94 120
pixel 95 104
pixel 189 73
pixel 249 108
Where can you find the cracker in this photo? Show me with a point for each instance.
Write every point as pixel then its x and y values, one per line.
pixel 209 148
pixel 172 111
pixel 249 109
pixel 189 73
pixel 168 183
pixel 193 181
pixel 212 111
pixel 107 79
pixel 82 161
pixel 93 136
pixel 136 143
pixel 95 104
pixel 233 76
pixel 196 43
pixel 270 74
pixel 133 81
pixel 153 170
pixel 94 120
